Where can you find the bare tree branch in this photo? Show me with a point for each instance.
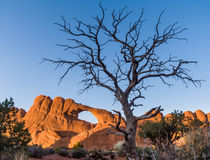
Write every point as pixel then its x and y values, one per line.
pixel 117 127
pixel 136 61
pixel 151 113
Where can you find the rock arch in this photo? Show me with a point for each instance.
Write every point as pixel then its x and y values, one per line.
pixel 87 116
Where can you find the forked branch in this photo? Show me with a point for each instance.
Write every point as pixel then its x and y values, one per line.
pixel 151 113
pixel 117 127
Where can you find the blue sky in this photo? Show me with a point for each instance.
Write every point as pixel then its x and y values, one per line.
pixel 28 33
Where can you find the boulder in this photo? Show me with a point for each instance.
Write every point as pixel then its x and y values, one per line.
pixel 168 116
pixel 190 115
pixel 201 116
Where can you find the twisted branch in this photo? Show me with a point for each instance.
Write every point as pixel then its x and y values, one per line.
pixel 117 127
pixel 150 113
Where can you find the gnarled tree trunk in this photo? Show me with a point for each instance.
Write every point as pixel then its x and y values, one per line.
pixel 131 127
pixel 130 140
pixel 130 132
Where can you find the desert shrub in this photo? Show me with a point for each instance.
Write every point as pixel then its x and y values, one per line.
pixel 119 148
pixel 194 124
pixel 35 151
pixel 48 151
pixel 21 155
pixel 145 152
pixel 112 155
pixel 95 155
pixel 79 153
pixel 196 147
pixel 57 149
pixel 64 152
pixel 167 131
pixel 106 153
pixel 197 144
pixel 78 145
pixel 162 134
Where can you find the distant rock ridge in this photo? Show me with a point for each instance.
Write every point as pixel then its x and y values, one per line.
pixel 198 114
pixel 55 123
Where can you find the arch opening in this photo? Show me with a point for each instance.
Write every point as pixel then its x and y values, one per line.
pixel 88 117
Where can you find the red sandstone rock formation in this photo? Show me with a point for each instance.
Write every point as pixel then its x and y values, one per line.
pixel 208 117
pixel 55 123
pixel 189 114
pixel 158 117
pixel 168 116
pixel 201 116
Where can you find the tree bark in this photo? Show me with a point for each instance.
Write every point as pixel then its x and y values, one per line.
pixel 130 140
pixel 131 126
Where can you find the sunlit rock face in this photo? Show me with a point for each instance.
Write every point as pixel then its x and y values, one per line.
pixel 20 113
pixel 201 116
pixel 208 117
pixel 190 115
pixel 168 116
pixel 55 123
pixel 158 117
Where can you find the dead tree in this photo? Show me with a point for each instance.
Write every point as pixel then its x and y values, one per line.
pixel 134 62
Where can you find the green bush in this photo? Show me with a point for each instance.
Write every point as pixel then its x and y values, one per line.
pixel 12 132
pixel 165 132
pixel 57 149
pixel 78 145
pixel 162 134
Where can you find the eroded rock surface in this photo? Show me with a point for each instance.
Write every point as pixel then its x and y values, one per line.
pixel 190 115
pixel 55 122
pixel 208 117
pixel 201 116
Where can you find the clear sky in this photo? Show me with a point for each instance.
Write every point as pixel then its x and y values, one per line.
pixel 27 34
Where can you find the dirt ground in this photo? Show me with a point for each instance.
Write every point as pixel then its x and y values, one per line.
pixel 58 157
